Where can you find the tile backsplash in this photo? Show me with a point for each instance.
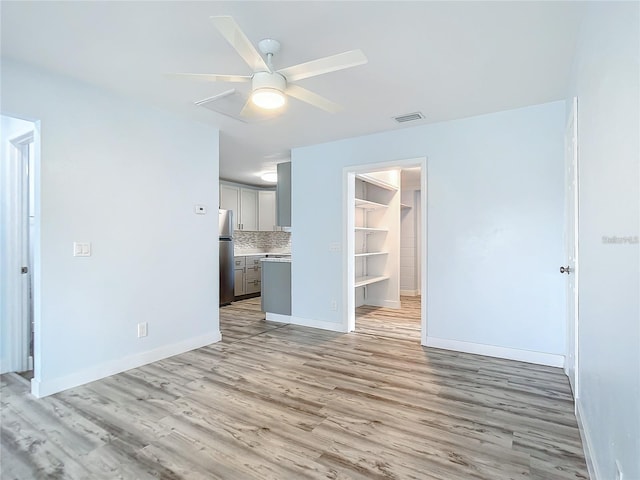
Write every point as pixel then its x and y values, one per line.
pixel 256 242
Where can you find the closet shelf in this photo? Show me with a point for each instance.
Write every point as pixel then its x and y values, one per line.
pixel 368 280
pixel 370 254
pixel 376 182
pixel 369 205
pixel 370 229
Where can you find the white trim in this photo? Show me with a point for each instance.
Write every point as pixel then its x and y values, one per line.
pixel 409 293
pixel 14 287
pixel 307 322
pixel 277 317
pixel 48 387
pixel 572 121
pixel 384 303
pixel 587 445
pixel 528 356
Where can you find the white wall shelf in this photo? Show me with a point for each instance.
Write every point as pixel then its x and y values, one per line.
pixel 370 254
pixel 368 204
pixel 371 230
pixel 368 280
pixel 377 182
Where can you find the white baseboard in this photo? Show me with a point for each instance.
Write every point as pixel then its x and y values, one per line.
pixel 529 356
pixel 307 322
pixel 587 444
pixel 384 303
pixel 277 317
pixel 48 387
pixel 409 293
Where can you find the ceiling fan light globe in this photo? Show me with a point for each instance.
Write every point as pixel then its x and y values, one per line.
pixel 268 98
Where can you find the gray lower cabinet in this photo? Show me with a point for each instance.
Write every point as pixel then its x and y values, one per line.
pixel 248 271
pixel 238 285
pixel 276 287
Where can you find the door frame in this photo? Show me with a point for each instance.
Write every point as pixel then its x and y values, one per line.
pixel 571 138
pixel 348 223
pixel 17 253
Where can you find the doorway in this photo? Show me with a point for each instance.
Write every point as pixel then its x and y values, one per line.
pixel 19 238
pixel 385 260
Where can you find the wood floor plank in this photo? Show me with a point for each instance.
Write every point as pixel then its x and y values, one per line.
pixel 278 401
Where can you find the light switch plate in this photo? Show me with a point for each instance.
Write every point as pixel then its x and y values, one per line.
pixel 143 329
pixel 200 209
pixel 334 247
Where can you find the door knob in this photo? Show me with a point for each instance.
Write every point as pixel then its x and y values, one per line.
pixel 566 269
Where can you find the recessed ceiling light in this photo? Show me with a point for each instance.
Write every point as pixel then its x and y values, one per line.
pixel 271 177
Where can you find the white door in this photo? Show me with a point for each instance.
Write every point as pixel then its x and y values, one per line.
pixel 570 269
pixel 16 318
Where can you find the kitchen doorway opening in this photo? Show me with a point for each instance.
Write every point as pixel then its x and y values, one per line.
pixel 20 245
pixel 385 235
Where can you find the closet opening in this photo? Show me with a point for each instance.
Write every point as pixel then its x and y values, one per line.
pixel 386 250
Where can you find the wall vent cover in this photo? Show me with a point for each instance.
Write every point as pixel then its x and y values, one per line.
pixel 409 117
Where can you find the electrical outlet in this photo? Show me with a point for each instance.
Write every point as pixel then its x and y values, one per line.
pixel 334 305
pixel 142 329
pixel 619 474
pixel 81 249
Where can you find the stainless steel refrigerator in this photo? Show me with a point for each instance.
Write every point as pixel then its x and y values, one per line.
pixel 225 224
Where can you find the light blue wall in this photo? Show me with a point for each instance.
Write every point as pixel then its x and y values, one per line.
pixel 124 177
pixel 495 225
pixel 607 83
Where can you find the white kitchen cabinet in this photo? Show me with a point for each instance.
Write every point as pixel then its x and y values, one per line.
pixel 376 214
pixel 248 209
pixel 243 202
pixel 230 200
pixel 267 210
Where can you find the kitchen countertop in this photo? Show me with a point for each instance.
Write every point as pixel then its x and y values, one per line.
pixel 276 259
pixel 254 254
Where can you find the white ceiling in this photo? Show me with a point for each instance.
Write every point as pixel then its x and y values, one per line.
pixel 446 59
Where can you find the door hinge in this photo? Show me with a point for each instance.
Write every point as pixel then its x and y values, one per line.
pixel 24 270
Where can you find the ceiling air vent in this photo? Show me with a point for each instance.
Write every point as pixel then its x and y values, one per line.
pixel 409 117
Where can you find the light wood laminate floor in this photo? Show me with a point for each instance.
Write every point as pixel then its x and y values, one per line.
pixel 276 401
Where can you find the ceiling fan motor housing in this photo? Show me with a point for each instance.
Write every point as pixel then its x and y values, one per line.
pixel 268 80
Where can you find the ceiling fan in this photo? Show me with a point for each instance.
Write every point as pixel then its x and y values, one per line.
pixel 269 86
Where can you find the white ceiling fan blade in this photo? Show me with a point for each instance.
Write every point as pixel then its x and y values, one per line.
pixel 212 77
pixel 340 61
pixel 312 98
pixel 230 30
pixel 247 110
